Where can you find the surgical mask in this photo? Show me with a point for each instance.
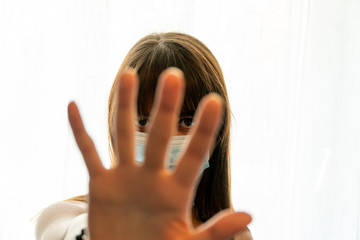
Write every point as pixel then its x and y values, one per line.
pixel 176 146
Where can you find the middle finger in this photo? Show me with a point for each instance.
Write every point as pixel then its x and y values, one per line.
pixel 164 115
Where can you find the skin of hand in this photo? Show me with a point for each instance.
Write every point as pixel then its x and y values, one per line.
pixel 148 201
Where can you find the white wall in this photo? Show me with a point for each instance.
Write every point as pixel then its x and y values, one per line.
pixel 293 75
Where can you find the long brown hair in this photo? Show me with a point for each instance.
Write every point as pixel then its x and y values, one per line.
pixel 149 57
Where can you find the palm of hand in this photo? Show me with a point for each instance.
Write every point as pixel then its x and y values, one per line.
pixel 141 201
pixel 134 202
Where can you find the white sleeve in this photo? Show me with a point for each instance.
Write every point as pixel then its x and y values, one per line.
pixel 56 220
pixel 75 227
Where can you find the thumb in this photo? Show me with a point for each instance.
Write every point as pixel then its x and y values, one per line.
pixel 223 226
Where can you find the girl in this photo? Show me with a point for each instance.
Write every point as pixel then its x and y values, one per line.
pixel 146 200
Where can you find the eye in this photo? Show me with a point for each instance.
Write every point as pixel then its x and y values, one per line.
pixel 142 122
pixel 186 122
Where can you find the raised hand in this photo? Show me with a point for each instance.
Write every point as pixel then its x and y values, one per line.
pixel 148 201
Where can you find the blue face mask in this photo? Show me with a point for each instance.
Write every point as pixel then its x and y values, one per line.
pixel 176 146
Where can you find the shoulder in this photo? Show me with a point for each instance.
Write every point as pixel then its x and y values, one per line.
pixel 54 220
pixel 62 209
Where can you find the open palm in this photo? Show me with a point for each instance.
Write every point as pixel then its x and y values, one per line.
pixel 148 201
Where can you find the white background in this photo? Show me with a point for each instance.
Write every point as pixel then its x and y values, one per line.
pixel 292 69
